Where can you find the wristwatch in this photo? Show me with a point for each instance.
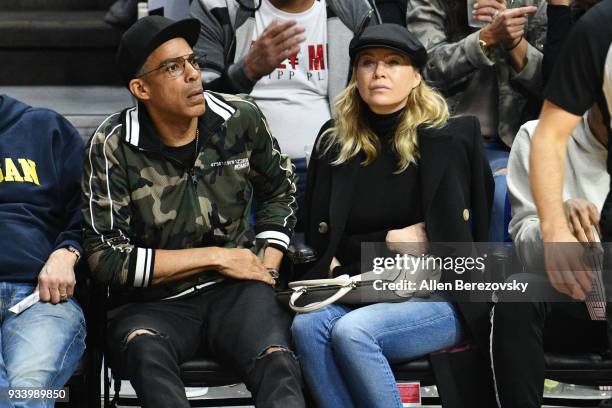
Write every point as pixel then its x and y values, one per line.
pixel 74 251
pixel 484 48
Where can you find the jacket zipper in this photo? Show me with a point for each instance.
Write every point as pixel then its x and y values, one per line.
pixel 192 183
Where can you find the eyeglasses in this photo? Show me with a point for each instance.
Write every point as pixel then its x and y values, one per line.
pixel 175 67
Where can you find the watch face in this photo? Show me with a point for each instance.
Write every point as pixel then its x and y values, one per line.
pixel 483 47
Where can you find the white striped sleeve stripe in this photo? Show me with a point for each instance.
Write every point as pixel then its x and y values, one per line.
pixel 148 268
pixel 143 267
pixel 223 104
pixel 219 107
pixel 275 237
pixel 128 124
pixel 132 133
pixel 91 172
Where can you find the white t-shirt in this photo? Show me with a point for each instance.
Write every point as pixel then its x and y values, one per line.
pixel 294 96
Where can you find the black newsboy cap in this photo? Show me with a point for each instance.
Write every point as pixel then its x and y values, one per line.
pixel 145 35
pixel 392 36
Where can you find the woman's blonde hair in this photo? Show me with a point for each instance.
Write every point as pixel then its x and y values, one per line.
pixel 351 134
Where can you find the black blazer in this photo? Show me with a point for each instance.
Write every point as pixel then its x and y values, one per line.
pixel 457 194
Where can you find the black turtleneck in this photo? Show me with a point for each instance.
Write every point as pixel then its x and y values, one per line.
pixel 383 199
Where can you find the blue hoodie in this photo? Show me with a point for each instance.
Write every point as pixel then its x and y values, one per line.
pixel 40 175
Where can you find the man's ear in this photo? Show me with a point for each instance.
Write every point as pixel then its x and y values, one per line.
pixel 139 88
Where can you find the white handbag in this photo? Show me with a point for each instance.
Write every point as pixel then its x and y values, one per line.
pixel 390 285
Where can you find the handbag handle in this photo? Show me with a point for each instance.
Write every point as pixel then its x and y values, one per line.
pixel 341 280
pixel 298 291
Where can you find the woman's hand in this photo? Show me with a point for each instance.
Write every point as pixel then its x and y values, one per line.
pixel 410 240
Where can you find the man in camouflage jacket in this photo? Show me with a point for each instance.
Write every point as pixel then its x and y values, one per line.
pixel 169 186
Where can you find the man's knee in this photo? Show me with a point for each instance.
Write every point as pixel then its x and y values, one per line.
pixel 277 359
pixel 274 353
pixel 275 365
pixel 138 332
pixel 144 348
pixel 274 349
pixel 141 342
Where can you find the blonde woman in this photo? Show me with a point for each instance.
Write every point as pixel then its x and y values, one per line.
pixel 392 167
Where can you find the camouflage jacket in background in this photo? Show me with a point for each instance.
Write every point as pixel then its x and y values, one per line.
pixel 455 57
pixel 138 200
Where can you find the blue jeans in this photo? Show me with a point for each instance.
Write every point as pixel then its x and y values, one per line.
pixel 41 347
pixel 345 353
pixel 497 154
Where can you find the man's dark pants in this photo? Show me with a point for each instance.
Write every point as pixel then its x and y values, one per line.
pixel 236 322
pixel 606 231
pixel 523 330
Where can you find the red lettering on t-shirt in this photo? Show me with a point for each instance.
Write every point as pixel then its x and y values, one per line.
pixel 316 59
pixel 294 61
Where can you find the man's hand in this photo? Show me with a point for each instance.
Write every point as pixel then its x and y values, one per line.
pixel 56 279
pixel 239 263
pixel 582 215
pixel 484 10
pixel 414 234
pixel 565 265
pixel 278 42
pixel 506 27
pixel 272 258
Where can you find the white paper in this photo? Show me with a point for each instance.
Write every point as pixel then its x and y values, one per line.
pixel 25 303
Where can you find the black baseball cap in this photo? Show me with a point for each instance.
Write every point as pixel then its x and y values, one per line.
pixel 392 36
pixel 145 35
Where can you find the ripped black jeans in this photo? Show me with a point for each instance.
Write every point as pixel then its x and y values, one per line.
pixel 236 322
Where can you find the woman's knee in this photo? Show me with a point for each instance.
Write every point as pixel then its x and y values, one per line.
pixel 349 334
pixel 317 324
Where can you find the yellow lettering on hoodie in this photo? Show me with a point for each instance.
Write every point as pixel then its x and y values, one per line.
pixel 1 175
pixel 29 171
pixel 12 174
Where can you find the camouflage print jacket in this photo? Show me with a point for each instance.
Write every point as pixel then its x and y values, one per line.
pixel 455 59
pixel 138 200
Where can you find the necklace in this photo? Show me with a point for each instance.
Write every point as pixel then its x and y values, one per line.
pixel 197 139
pixel 194 178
